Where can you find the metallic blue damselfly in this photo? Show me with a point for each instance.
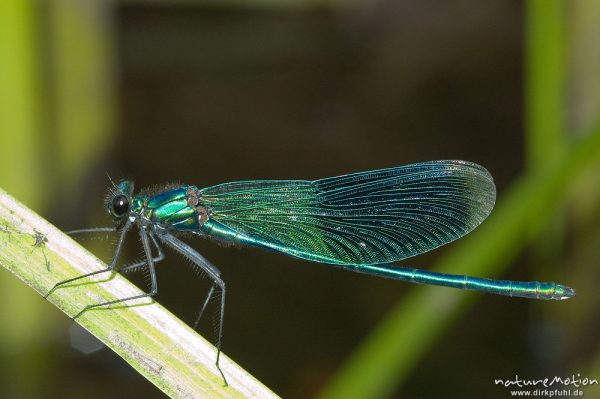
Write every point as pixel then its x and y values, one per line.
pixel 360 221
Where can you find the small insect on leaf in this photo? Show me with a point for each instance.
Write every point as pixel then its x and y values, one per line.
pixel 40 241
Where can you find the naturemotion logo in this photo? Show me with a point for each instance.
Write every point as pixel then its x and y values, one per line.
pixel 547 387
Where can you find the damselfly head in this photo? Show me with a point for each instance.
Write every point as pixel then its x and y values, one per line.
pixel 118 200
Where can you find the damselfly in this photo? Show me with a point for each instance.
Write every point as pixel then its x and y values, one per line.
pixel 360 221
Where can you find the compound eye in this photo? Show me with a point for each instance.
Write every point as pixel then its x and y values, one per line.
pixel 120 206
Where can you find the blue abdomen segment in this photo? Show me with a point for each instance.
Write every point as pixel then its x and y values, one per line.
pixel 171 208
pixel 523 289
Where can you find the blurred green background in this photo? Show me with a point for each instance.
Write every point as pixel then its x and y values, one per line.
pixel 206 92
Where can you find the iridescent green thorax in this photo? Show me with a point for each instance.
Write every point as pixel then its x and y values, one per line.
pixel 171 208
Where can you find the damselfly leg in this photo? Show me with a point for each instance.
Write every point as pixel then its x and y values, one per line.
pixel 154 285
pixel 110 267
pixel 213 273
pixel 144 263
pixel 148 234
